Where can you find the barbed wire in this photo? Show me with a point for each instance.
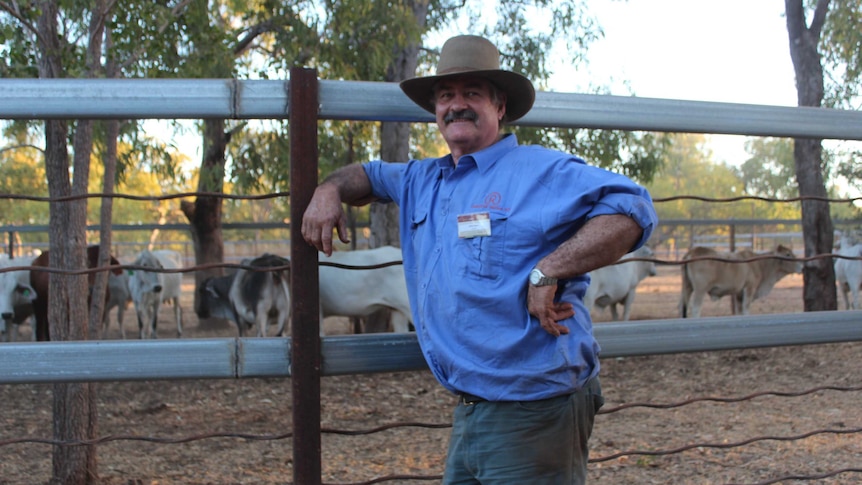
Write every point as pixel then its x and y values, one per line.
pixel 247 267
pixel 727 400
pixel 414 424
pixel 142 198
pixel 286 194
pixel 391 426
pixel 820 476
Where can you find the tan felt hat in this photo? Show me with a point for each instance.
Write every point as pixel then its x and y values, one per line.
pixel 475 56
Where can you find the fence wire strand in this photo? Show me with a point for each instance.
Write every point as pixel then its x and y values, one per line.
pixel 397 425
pixel 413 424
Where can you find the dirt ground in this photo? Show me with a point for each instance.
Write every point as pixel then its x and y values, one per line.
pixel 752 439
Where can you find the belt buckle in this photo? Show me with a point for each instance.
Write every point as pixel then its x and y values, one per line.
pixel 469 399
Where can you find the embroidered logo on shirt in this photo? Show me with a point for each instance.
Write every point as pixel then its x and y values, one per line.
pixel 492 201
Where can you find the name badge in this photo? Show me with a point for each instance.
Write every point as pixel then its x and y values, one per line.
pixel 477 224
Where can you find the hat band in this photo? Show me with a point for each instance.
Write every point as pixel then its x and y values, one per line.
pixel 460 69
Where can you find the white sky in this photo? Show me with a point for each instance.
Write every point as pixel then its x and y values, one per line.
pixel 706 50
pixel 732 51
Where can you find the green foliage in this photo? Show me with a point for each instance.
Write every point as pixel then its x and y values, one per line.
pixel 840 45
pixel 360 37
pixel 259 157
pixel 22 171
pixel 770 170
pixel 637 155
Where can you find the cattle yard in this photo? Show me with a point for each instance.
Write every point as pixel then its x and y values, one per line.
pixel 658 298
pixel 250 419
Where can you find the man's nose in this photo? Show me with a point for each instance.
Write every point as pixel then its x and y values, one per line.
pixel 459 102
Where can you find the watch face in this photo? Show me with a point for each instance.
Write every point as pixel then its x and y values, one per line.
pixel 535 276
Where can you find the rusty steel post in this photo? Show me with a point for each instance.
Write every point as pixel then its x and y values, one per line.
pixel 303 107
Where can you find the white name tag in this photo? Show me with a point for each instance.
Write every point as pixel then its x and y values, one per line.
pixel 477 224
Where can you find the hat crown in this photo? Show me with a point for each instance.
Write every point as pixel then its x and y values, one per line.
pixel 466 53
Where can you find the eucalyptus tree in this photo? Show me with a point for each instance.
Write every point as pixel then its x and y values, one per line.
pixel 824 41
pixel 48 35
pixel 61 39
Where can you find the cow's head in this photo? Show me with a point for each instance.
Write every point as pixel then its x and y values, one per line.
pixel 13 293
pixel 789 262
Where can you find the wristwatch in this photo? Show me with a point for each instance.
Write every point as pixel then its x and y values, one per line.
pixel 537 278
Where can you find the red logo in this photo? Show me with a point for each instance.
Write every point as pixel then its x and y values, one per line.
pixel 493 199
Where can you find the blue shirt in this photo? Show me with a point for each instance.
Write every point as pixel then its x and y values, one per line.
pixel 468 296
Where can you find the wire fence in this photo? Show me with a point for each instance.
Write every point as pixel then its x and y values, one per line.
pixel 354 100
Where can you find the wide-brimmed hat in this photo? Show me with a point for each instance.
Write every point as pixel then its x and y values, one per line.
pixel 475 56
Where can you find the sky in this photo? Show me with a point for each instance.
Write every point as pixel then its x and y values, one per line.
pixel 733 51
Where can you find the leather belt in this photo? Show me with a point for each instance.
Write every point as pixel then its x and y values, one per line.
pixel 469 399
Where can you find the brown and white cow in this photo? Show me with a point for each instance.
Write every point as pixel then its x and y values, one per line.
pixel 39 280
pixel 745 281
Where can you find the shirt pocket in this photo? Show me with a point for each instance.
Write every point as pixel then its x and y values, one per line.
pixel 482 257
pixel 418 226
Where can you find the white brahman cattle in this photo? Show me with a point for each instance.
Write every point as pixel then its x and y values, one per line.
pixel 361 292
pixel 745 281
pixel 349 291
pixel 616 284
pixel 149 289
pixel 848 272
pixel 249 297
pixel 16 298
pixel 119 297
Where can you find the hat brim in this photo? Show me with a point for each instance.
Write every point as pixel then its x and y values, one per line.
pixel 520 94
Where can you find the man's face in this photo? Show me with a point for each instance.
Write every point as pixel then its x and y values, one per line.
pixel 467 113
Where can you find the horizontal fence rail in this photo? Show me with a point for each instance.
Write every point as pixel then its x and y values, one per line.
pixel 362 100
pixel 43 362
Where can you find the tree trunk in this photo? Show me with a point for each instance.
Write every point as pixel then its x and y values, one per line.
pixel 395 146
pixel 819 291
pixel 67 309
pixel 205 213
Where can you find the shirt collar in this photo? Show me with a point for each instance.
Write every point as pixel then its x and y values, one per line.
pixel 487 157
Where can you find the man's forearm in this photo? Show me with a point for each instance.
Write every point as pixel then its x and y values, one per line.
pixel 352 183
pixel 602 241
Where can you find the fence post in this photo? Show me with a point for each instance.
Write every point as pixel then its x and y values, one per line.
pixel 305 359
pixel 733 238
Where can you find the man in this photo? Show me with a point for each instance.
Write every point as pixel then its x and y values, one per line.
pixel 497 239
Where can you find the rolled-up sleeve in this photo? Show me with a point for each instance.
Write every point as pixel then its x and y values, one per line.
pixel 581 192
pixel 637 206
pixel 385 178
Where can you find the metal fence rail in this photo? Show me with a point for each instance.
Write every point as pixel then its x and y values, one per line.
pixel 106 360
pixel 358 100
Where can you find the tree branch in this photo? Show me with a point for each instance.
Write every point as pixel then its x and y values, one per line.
pixel 255 31
pixel 25 145
pixel 819 17
pixel 14 11
pixel 175 12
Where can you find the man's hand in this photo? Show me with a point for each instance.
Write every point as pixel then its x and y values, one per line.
pixel 323 215
pixel 540 303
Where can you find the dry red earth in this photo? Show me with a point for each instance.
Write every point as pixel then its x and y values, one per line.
pixel 711 432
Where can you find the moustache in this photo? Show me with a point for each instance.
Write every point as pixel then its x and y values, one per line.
pixel 464 114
